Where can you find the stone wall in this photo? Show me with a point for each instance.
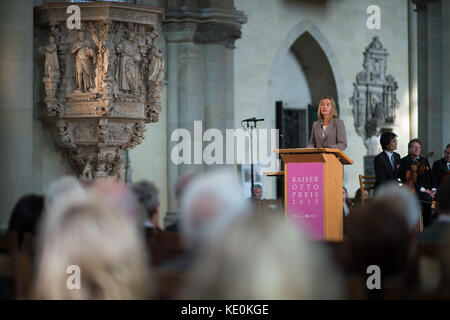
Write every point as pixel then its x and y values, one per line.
pixel 339 27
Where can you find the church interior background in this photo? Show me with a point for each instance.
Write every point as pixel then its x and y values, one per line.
pixel 218 62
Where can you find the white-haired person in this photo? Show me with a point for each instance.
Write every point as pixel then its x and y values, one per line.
pixel 263 258
pixel 211 204
pixel 90 250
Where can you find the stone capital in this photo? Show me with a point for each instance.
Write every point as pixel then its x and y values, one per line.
pixel 204 25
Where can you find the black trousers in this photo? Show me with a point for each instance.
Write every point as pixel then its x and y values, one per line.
pixel 425 203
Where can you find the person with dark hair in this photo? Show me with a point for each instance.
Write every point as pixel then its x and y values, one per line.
pixel 148 196
pixel 441 167
pixel 347 203
pixel 387 162
pixel 415 171
pixel 26 216
pixel 441 225
pixel 257 192
pixel 378 235
pixel 329 130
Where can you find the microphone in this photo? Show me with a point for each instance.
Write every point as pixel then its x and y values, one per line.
pixel 252 119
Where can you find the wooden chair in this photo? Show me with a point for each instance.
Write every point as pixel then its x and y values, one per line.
pixel 366 183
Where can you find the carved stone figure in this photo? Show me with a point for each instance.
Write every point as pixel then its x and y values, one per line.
pixel 119 171
pixel 109 164
pixel 64 134
pixel 83 68
pixel 157 67
pixel 374 97
pixel 87 170
pixel 102 130
pixel 127 71
pixel 51 66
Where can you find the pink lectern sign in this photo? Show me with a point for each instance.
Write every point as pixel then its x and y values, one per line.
pixel 305 197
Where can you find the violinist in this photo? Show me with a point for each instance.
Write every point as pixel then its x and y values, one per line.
pixel 415 172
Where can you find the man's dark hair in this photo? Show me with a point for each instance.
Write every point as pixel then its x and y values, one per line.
pixel 148 196
pixel 378 234
pixel 386 138
pixel 414 141
pixel 256 186
pixel 443 197
pixel 26 215
pixel 448 146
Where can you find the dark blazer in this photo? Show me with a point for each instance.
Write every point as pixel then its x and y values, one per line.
pixel 424 180
pixel 383 168
pixel 335 136
pixel 439 168
pixel 434 233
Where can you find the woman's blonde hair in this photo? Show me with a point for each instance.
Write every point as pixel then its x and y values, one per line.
pixel 106 246
pixel 263 257
pixel 334 112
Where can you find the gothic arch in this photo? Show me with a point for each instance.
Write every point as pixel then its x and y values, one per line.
pixel 317 58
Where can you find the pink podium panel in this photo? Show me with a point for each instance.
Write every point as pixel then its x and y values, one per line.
pixel 305 197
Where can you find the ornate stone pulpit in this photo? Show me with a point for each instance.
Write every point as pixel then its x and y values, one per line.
pixel 102 82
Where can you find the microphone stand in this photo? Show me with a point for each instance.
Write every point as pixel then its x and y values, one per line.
pixel 251 126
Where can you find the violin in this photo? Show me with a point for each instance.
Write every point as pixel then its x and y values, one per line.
pixel 411 175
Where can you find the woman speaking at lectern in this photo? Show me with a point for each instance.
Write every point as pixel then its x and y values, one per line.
pixel 329 130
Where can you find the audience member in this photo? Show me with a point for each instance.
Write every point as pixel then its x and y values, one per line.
pixel 377 234
pixel 441 167
pixel 210 205
pixel 26 215
pixel 346 202
pixel 263 257
pixel 405 201
pixel 66 189
pixel 99 239
pixel 434 233
pixel 180 188
pixel 357 201
pixel 148 196
pixel 257 192
pixel 120 196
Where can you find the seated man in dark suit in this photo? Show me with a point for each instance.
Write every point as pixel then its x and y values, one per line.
pixel 441 167
pixel 424 184
pixel 148 196
pixel 435 232
pixel 387 163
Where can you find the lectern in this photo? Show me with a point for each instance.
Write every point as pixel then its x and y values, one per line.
pixel 313 190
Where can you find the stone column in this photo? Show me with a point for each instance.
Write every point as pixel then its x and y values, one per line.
pixel 435 66
pixel 445 35
pixel 422 70
pixel 413 103
pixel 433 30
pixel 16 104
pixel 200 40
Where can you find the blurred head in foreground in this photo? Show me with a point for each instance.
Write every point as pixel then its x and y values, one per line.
pixel 103 242
pixel 210 205
pixel 378 234
pixel 403 200
pixel 263 257
pixel 26 215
